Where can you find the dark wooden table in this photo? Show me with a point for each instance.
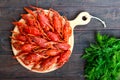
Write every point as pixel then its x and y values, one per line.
pixel 10 10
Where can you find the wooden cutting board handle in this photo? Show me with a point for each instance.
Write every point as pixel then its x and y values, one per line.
pixel 83 18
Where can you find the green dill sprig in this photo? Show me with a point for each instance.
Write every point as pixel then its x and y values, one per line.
pixel 102 59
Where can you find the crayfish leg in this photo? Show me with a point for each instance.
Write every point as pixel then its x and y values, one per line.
pixel 21 54
pixel 30 12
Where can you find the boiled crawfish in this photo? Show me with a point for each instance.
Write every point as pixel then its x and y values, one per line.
pixel 42 39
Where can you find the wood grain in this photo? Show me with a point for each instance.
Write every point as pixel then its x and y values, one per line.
pixel 10 10
pixel 96 3
pixel 14 70
pixel 108 14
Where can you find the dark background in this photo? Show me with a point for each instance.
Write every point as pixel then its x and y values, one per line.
pixel 10 10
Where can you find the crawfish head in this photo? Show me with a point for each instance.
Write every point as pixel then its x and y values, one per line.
pixel 44 22
pixel 32 30
pixel 29 19
pixel 52 52
pixel 20 37
pixel 39 41
pixel 63 46
pixel 53 36
pixel 21 26
pixel 27 47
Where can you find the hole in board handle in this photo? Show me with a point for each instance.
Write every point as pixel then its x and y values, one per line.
pixel 84 18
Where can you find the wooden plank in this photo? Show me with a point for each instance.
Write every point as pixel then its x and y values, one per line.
pixel 111 15
pixel 10 68
pixel 50 3
pixel 51 78
pixel 41 3
pixel 5 41
pixel 12 3
pixel 23 3
pixel 98 3
pixel 9 15
pixel 107 10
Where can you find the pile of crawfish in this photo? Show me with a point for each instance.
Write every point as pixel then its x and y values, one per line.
pixel 42 39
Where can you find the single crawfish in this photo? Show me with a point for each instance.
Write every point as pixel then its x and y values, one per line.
pixel 25 29
pixel 63 58
pixel 32 58
pixel 57 22
pixel 44 22
pixel 29 19
pixel 19 37
pixel 48 63
pixel 39 41
pixel 67 31
pixel 20 26
pixel 17 44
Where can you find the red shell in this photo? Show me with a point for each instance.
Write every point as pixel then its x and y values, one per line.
pixel 42 39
